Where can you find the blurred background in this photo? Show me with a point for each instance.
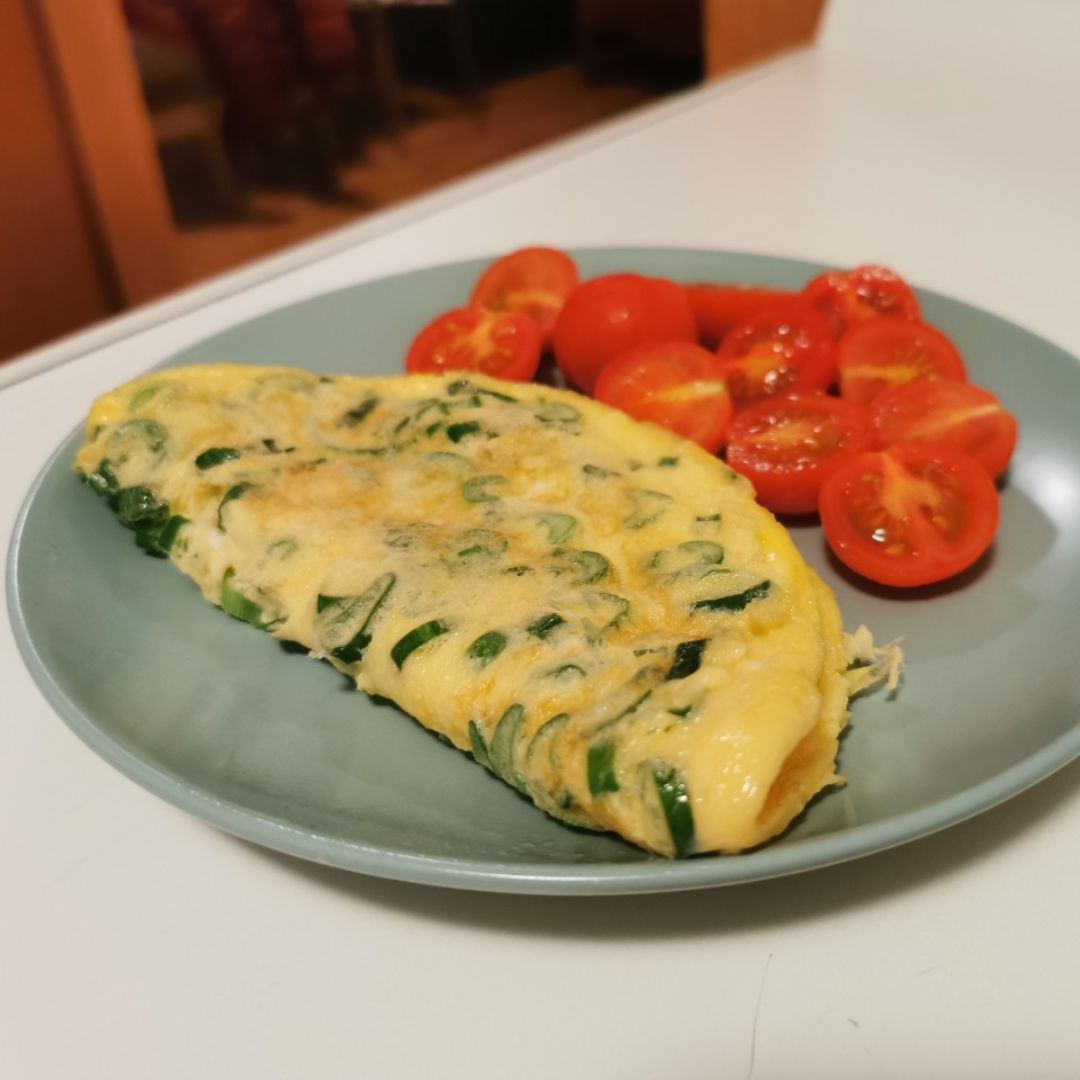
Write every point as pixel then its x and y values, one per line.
pixel 150 144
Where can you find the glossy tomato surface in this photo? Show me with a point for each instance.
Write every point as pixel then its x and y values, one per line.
pixel 785 444
pixel 886 352
pixel 718 309
pixel 532 281
pixel 676 384
pixel 914 514
pixel 611 314
pixel 945 411
pixel 506 346
pixel 848 297
pixel 783 349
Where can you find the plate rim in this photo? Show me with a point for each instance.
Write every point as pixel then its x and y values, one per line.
pixel 649 875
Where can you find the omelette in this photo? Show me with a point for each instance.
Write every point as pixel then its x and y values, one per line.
pixel 595 609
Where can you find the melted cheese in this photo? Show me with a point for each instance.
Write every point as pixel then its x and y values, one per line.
pixel 595 609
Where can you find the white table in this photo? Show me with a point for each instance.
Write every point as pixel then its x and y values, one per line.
pixel 939 136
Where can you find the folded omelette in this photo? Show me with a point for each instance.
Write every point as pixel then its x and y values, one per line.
pixel 596 610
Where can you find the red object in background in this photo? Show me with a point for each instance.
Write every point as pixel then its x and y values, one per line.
pixel 848 297
pixel 506 346
pixel 611 314
pixel 533 281
pixel 676 384
pixel 945 411
pixel 783 349
pixel 889 351
pixel 784 445
pixel 718 309
pixel 914 514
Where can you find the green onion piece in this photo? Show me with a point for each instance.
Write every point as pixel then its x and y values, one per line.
pixel 479 747
pixel 159 541
pixel 668 462
pixel 359 414
pixel 273 448
pixel 237 605
pixel 419 635
pixel 141 397
pixel 432 428
pixel 457 432
pixel 559 672
pixel 597 599
pixel 104 481
pixel 684 711
pixel 136 508
pixel 484 542
pixel 687 658
pixel 504 743
pixel 648 506
pixel 631 708
pixel 215 456
pixel 675 802
pixel 705 550
pixel 736 602
pixel 475 488
pixel 137 435
pixel 233 493
pixel 560 527
pixel 544 625
pixel 463 386
pixel 557 412
pixel 601 768
pixel 282 549
pixel 545 731
pixel 487 646
pixel 595 470
pixel 346 632
pixel 708 517
pixel 588 567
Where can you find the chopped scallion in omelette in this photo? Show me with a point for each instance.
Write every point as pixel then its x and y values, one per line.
pixel 597 611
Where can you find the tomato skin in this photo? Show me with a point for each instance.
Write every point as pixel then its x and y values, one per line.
pixel 609 315
pixel 718 308
pixel 848 297
pixel 786 444
pixel 945 411
pixel 506 346
pixel 881 353
pixel 915 514
pixel 676 384
pixel 533 281
pixel 783 349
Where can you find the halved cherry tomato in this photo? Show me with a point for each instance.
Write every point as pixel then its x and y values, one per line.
pixel 784 349
pixel 847 297
pixel 914 514
pixel 609 315
pixel 785 444
pixel 880 353
pixel 673 383
pixel 532 281
pixel 954 412
pixel 469 339
pixel 718 309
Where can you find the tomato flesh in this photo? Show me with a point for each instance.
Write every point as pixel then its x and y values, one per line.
pixel 785 444
pixel 533 281
pixel 848 297
pixel 676 384
pixel 945 411
pixel 612 314
pixel 783 349
pixel 915 514
pixel 718 309
pixel 506 346
pixel 887 352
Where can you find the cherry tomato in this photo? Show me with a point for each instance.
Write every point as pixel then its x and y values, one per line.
pixel 720 308
pixel 880 353
pixel 784 445
pixel 914 514
pixel 784 349
pixel 469 339
pixel 534 281
pixel 673 383
pixel 609 315
pixel 954 412
pixel 852 296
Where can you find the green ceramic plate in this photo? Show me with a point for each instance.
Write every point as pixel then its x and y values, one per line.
pixel 218 719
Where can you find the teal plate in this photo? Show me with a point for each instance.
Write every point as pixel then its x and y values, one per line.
pixel 219 720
